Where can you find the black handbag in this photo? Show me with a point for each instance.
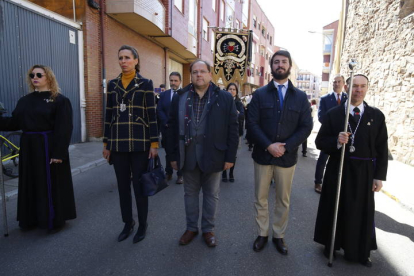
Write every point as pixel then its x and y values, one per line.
pixel 153 180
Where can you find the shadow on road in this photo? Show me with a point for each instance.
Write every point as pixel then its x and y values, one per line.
pixel 390 225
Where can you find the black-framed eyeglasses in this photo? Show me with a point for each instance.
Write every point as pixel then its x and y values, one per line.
pixel 39 75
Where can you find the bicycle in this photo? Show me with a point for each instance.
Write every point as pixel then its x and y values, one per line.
pixel 10 149
pixel 10 153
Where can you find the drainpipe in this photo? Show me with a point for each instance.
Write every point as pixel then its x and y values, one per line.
pixel 199 31
pixel 102 33
pixel 165 65
pixel 82 86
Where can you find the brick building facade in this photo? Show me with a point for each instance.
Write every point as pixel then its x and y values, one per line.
pixel 168 34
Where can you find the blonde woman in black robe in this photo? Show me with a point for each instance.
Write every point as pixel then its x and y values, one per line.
pixel 46 197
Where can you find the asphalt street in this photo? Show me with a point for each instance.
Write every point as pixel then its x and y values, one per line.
pixel 88 245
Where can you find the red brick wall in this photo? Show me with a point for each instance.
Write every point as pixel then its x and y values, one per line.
pixel 179 24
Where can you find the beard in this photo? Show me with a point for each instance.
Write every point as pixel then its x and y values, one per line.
pixel 281 76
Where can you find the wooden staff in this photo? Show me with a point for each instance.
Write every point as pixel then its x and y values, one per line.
pixel 352 65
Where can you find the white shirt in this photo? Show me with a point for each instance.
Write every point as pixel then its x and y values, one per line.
pixel 351 108
pixel 284 88
pixel 336 95
pixel 351 111
pixel 172 92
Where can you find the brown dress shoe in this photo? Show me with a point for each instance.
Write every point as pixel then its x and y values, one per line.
pixel 187 237
pixel 180 180
pixel 210 239
pixel 259 243
pixel 280 246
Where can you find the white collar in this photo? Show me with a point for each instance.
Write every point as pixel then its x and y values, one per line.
pixel 284 84
pixel 351 108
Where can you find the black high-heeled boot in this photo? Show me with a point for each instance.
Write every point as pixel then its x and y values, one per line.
pixel 128 228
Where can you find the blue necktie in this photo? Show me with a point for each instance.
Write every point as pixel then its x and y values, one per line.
pixel 279 89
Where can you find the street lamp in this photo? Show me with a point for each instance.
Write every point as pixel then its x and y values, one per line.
pixel 325 35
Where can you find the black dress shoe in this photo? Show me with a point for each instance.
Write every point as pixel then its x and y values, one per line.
pixel 367 263
pixel 129 226
pixel 259 243
pixel 140 235
pixel 280 246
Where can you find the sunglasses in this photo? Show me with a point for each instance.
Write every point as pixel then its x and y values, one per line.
pixel 39 75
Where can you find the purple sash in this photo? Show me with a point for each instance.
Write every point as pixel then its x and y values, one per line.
pixel 48 178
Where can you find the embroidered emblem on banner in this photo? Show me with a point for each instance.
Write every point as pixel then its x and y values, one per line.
pixel 231 53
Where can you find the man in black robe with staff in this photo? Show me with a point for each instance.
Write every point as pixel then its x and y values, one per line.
pixel 364 169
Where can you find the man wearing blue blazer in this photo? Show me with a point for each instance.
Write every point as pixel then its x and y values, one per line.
pixel 163 111
pixel 327 102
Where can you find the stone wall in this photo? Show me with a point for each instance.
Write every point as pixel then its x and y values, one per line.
pixel 383 45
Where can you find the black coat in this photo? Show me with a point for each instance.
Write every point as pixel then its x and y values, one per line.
pixel 240 109
pixel 135 128
pixel 37 112
pixel 221 135
pixel 294 127
pixel 355 231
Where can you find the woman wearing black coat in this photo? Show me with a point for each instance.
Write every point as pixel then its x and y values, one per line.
pixel 232 88
pixel 131 137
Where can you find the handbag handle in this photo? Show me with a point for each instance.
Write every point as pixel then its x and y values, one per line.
pixel 153 163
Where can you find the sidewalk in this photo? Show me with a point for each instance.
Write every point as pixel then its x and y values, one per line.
pixel 83 157
pixel 399 185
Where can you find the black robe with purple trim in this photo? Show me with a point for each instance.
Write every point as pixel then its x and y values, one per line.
pixel 36 112
pixel 355 231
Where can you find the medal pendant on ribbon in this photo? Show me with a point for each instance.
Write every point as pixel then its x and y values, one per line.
pixel 122 107
pixel 351 149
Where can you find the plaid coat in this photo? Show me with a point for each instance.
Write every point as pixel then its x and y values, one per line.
pixel 135 128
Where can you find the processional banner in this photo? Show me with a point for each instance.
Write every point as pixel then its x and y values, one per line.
pixel 231 54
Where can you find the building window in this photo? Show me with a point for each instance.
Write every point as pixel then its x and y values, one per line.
pixel 238 26
pixel 258 25
pixel 213 4
pixel 229 18
pixel 271 40
pixel 267 36
pixel 254 21
pixel 222 10
pixel 205 29
pixel 192 19
pixel 328 41
pixel 264 31
pixel 179 5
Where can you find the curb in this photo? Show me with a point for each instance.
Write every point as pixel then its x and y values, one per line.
pixel 393 197
pixel 74 171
